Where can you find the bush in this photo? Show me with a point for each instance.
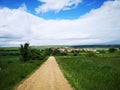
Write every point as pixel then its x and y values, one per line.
pixel 75 54
pixel 91 54
pixel 111 50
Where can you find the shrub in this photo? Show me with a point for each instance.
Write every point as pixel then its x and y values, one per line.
pixel 91 54
pixel 111 50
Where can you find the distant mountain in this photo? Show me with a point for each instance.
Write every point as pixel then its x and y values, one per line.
pixel 96 46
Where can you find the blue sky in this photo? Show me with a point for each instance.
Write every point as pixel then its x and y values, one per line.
pixel 82 8
pixel 59 22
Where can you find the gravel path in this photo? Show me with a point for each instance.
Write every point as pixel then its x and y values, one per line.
pixel 47 77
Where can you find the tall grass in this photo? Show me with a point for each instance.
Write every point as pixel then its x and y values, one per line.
pixel 12 71
pixel 91 73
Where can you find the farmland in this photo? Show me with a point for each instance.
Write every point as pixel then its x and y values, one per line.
pixel 92 73
pixel 84 68
pixel 12 70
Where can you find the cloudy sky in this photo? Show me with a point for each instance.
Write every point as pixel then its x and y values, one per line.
pixel 59 22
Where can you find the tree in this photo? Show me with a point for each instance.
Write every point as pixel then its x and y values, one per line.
pixel 25 52
pixel 22 52
pixel 37 54
pixel 111 50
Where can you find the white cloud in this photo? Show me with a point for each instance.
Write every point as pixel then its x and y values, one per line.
pixel 23 7
pixel 56 5
pixel 98 26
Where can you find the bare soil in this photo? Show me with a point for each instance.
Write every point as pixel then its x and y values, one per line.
pixel 47 77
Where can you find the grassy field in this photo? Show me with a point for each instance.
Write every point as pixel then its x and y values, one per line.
pixel 91 73
pixel 49 46
pixel 84 71
pixel 12 70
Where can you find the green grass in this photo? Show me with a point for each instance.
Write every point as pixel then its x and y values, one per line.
pixel 9 51
pixel 91 73
pixel 9 48
pixel 49 46
pixel 13 71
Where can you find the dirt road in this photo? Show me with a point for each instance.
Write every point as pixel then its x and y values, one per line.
pixel 47 77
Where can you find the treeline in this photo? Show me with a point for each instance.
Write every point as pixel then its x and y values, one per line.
pixel 26 53
pixel 96 46
pixel 55 52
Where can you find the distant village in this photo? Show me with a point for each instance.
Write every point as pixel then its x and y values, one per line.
pixel 66 49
